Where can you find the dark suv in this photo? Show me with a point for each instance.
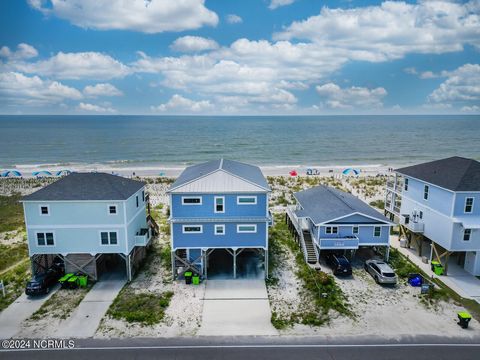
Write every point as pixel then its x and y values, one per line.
pixel 42 283
pixel 339 264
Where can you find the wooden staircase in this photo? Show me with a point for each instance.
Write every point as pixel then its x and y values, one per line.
pixel 310 247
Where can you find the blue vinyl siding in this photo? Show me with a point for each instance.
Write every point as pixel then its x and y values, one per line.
pixel 207 239
pixel 231 209
pixel 365 234
pixel 459 206
pixel 438 199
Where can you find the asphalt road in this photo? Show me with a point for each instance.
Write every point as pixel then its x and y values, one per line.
pixel 260 348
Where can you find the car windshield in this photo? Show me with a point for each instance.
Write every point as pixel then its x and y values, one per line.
pixel 389 274
pixel 343 261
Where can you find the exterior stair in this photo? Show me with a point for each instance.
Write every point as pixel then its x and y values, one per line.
pixel 311 254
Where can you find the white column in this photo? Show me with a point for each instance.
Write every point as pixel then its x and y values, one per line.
pixel 234 263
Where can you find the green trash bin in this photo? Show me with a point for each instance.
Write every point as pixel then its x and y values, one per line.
pixel 72 282
pixel 437 267
pixel 83 281
pixel 196 279
pixel 188 277
pixel 63 280
pixel 463 319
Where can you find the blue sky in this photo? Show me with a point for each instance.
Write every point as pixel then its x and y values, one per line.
pixel 239 57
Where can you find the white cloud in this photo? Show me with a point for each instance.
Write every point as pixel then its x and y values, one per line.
pixel 391 30
pixel 278 3
pixel 335 97
pixel 92 108
pixel 82 65
pixel 233 19
pixel 148 16
pixel 470 109
pixel 180 104
pixel 193 44
pixel 21 89
pixel 104 89
pixel 462 86
pixel 24 51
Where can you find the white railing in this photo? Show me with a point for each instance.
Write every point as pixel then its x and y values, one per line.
pixel 142 240
pixel 298 228
pixel 415 226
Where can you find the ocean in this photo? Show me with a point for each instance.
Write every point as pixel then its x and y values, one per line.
pixel 263 140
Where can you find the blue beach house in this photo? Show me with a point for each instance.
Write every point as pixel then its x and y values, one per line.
pixel 437 205
pixel 325 218
pixel 94 222
pixel 219 220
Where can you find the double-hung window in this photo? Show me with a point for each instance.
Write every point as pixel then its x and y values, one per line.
pixel 112 209
pixel 220 229
pixel 219 204
pixel 45 239
pixel 44 210
pixel 467 233
pixel 108 238
pixel 425 192
pixel 468 205
pixel 377 231
pixel 405 185
pixel 355 229
pixel 331 230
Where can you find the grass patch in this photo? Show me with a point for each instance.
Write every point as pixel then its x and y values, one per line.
pixel 11 213
pixel 12 254
pixel 14 281
pixel 143 308
pixel 318 287
pixel 61 304
pixel 379 204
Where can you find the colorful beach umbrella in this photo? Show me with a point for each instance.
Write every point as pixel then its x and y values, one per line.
pixel 63 172
pixel 348 171
pixel 293 173
pixel 42 173
pixel 11 173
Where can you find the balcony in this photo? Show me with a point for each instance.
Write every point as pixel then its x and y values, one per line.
pixel 395 185
pixel 142 237
pixel 415 226
pixel 341 242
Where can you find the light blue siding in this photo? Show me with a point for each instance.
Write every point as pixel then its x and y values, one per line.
pixel 459 206
pixel 365 234
pixel 439 199
pixel 206 209
pixel 207 239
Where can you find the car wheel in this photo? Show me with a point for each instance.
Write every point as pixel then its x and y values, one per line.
pixel 365 267
pixel 376 279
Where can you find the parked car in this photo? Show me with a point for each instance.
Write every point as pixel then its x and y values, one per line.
pixel 339 264
pixel 42 283
pixel 381 272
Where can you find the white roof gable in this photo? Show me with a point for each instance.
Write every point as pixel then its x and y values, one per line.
pixel 218 182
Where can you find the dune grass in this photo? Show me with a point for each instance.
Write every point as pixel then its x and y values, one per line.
pixel 11 213
pixel 14 281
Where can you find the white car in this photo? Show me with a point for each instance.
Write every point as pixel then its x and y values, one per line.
pixel 381 272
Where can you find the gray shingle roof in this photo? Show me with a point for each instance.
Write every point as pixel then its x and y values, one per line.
pixel 323 204
pixel 247 172
pixel 454 173
pixel 87 186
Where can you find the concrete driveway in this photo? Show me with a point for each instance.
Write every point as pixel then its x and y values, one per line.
pixel 21 309
pixel 86 318
pixel 236 307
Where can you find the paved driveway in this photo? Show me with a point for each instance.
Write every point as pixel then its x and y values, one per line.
pixel 85 319
pixel 236 307
pixel 21 309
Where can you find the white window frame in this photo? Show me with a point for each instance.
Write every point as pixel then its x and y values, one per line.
pixel 45 235
pixel 405 184
pixel 108 233
pixel 331 232
pixel 246 231
pixel 116 209
pixel 40 209
pixel 219 226
pixel 465 207
pixel 191 197
pixel 355 227
pixel 249 197
pixel 192 232
pixel 469 234
pixel 426 190
pixel 215 204
pixel 380 233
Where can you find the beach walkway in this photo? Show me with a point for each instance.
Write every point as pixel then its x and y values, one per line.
pixel 464 284
pixel 236 307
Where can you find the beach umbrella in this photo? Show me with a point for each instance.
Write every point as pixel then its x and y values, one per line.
pixel 63 172
pixel 42 173
pixel 9 173
pixel 348 171
pixel 293 173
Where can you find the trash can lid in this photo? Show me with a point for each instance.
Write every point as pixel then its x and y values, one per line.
pixel 188 273
pixel 433 262
pixel 464 315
